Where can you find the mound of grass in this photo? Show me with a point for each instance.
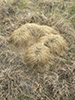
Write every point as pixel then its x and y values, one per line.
pixel 42 43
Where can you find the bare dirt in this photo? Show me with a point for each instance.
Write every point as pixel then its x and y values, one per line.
pixel 53 82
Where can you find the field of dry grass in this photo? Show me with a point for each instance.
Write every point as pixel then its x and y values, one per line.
pixel 55 81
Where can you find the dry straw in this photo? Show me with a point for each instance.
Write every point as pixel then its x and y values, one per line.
pixel 37 54
pixel 20 37
pixel 39 43
pixel 55 43
pixel 29 34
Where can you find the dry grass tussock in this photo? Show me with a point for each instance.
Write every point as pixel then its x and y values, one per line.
pixel 20 37
pixel 55 43
pixel 37 54
pixel 38 42
pixel 26 33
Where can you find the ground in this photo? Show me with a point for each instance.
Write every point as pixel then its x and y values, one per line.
pixel 53 82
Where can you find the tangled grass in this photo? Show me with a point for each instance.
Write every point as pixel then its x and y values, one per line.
pixel 39 42
pixel 37 54
pixel 55 43
pixel 29 34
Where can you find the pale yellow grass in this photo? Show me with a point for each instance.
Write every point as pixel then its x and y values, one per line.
pixel 55 43
pixel 29 34
pixel 37 54
pixel 39 43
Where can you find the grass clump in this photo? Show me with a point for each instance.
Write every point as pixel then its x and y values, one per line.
pixel 40 43
pixel 29 34
pixel 55 43
pixel 37 54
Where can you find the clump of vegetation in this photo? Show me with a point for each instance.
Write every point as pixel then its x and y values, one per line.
pixel 37 55
pixel 28 33
pixel 42 43
pixel 55 43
